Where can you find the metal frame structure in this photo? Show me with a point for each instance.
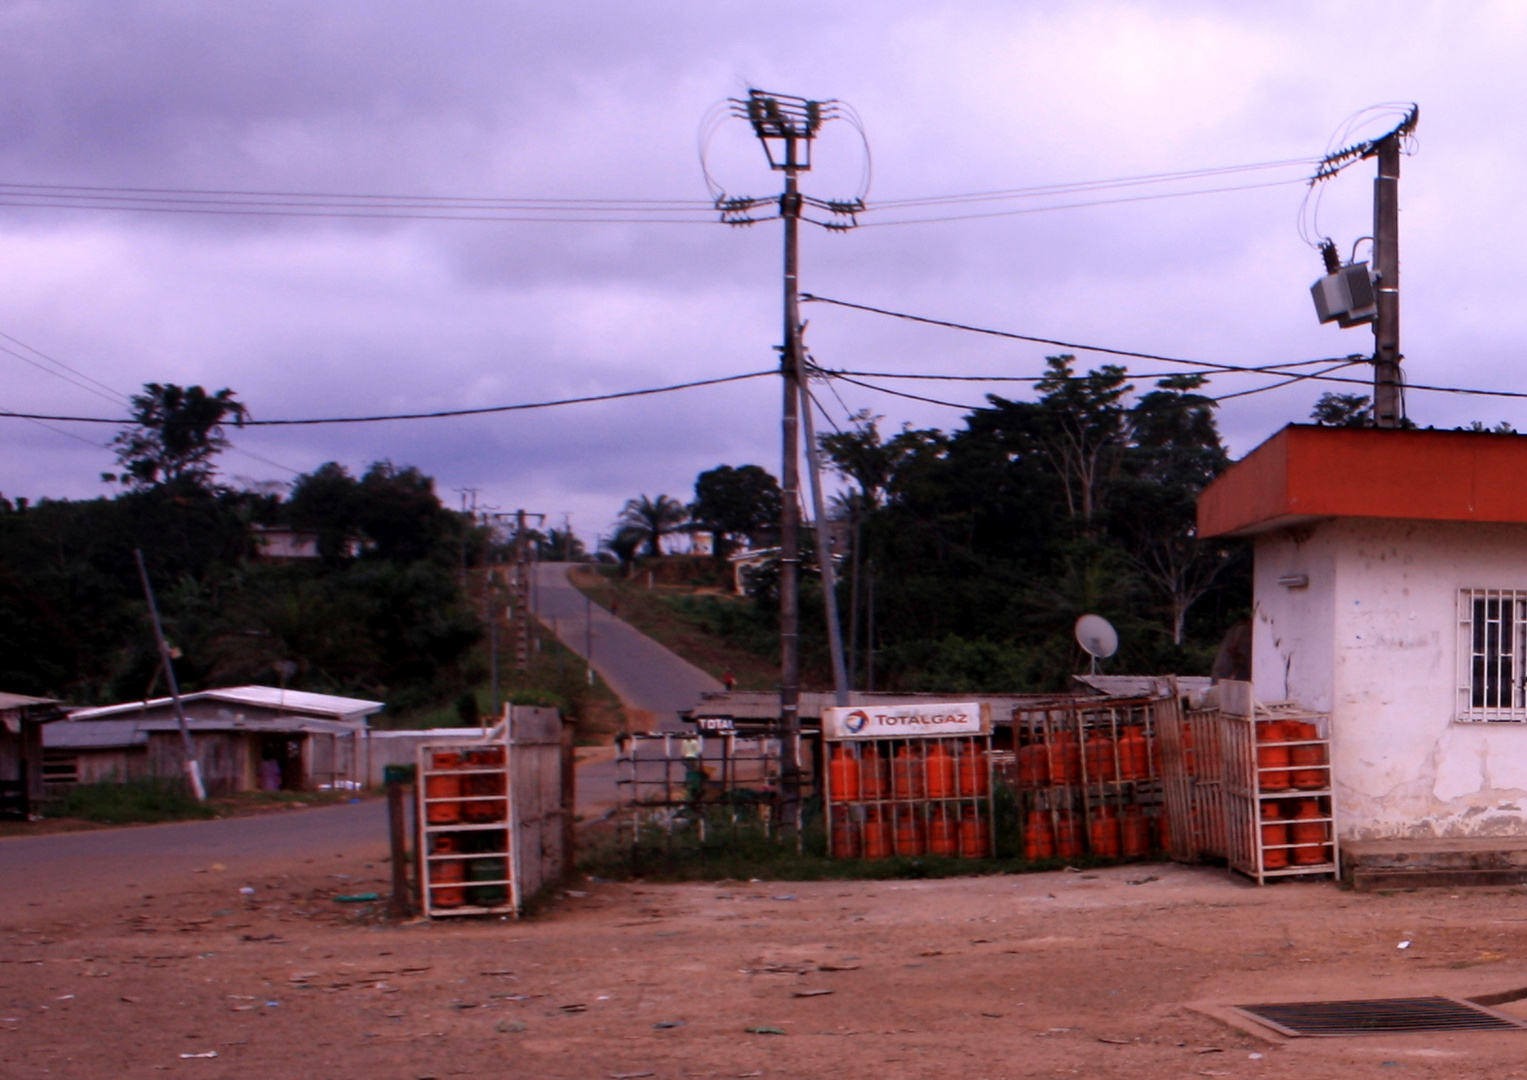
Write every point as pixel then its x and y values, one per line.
pixel 1248 791
pixel 661 789
pixel 453 777
pixel 1074 776
pixel 901 794
pixel 1492 656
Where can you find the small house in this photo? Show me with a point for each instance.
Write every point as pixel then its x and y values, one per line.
pixel 22 721
pixel 245 737
pixel 1390 592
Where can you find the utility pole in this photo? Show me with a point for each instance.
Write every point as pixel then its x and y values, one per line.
pixel 521 594
pixel 824 558
pixel 187 748
pixel 786 127
pixel 1388 399
pixel 1350 294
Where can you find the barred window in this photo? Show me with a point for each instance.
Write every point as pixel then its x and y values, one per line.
pixel 1492 648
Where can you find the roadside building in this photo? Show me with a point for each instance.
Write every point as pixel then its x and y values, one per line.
pixel 22 722
pixel 246 738
pixel 1390 590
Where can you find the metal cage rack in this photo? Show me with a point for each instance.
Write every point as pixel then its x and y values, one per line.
pixel 1087 775
pixel 1280 816
pixel 465 823
pixel 910 796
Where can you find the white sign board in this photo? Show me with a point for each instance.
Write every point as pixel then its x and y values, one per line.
pixel 923 720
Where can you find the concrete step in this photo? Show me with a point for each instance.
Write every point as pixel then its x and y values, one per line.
pixel 1368 865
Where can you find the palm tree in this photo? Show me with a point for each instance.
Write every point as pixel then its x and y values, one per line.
pixel 654 519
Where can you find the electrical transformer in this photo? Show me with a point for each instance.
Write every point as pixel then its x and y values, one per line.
pixel 1346 297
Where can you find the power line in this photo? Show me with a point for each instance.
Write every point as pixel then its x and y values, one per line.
pixel 1079 205
pixel 1011 335
pixel 1087 185
pixel 424 416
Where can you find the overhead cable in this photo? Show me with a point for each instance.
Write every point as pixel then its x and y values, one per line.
pixel 424 416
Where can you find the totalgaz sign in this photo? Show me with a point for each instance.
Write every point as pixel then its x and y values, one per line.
pixel 923 720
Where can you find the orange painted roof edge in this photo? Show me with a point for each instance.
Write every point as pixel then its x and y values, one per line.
pixel 1305 471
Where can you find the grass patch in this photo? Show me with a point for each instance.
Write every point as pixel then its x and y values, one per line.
pixel 745 850
pixel 131 801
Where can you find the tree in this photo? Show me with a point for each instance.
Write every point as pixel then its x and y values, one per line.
pixel 1175 451
pixel 1343 410
pixel 559 545
pixel 1082 429
pixel 654 519
pixel 326 501
pixel 732 503
pixel 623 544
pixel 175 434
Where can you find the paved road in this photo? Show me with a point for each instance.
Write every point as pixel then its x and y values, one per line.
pixel 46 871
pixel 39 873
pixel 643 673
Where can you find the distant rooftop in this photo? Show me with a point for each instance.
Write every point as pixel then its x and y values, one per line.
pixel 268 697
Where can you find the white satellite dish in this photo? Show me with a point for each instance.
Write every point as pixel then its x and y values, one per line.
pixel 1097 637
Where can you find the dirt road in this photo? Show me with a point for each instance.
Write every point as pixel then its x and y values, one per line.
pixel 1048 975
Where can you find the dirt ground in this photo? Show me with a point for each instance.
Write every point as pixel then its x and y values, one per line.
pixel 1116 972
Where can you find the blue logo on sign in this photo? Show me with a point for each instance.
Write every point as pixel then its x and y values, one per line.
pixel 855 721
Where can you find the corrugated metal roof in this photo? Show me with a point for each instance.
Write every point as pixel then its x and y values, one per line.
pixel 270 697
pixel 93 735
pixel 102 734
pixel 21 701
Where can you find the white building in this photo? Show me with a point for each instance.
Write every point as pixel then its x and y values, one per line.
pixel 1391 592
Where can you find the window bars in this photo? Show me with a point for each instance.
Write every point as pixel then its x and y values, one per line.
pixel 1492 655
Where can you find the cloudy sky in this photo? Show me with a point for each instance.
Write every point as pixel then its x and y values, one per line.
pixel 308 316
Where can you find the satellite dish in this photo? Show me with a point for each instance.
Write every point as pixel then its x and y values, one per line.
pixel 1097 637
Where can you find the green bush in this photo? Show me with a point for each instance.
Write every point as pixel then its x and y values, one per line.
pixel 145 800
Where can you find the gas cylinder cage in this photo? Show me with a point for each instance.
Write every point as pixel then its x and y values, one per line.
pixel 465 823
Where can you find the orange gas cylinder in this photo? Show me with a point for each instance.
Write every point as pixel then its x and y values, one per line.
pixel 1272 756
pixel 877 835
pixel 907 774
pixel 874 774
pixel 1033 765
pixel 483 808
pixel 1189 756
pixel 939 770
pixel 1308 836
pixel 1065 758
pixel 1099 757
pixel 1038 837
pixel 1274 833
pixel 975 779
pixel 440 792
pixel 843 775
pixel 1134 755
pixel 1103 832
pixel 444 875
pixel 943 833
pixel 845 837
pixel 1134 833
pixel 975 835
pixel 1068 835
pixel 908 837
pixel 1307 773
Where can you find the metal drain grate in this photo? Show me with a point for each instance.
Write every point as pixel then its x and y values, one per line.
pixel 1382 1016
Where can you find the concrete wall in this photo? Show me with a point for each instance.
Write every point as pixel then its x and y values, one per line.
pixel 1373 640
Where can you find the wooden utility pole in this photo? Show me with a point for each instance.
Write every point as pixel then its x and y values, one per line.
pixel 187 747
pixel 521 594
pixel 790 483
pixel 1388 396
